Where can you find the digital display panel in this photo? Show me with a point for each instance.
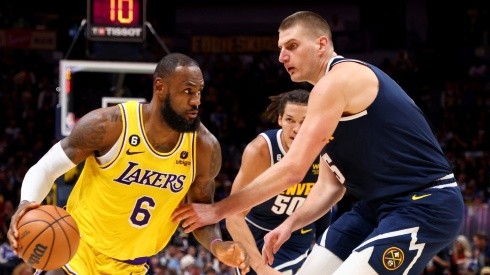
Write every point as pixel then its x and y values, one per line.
pixel 116 20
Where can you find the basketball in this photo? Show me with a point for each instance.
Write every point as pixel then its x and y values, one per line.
pixel 48 237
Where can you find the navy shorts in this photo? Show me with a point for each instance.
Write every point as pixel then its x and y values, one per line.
pixel 292 253
pixel 406 231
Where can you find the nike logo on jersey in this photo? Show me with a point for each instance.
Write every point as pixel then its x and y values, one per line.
pixel 305 231
pixel 417 197
pixel 128 152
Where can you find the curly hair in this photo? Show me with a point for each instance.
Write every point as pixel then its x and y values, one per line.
pixel 278 103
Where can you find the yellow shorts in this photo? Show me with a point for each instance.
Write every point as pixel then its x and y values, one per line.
pixel 89 262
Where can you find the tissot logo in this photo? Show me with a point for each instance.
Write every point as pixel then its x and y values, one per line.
pixel 184 154
pixel 117 32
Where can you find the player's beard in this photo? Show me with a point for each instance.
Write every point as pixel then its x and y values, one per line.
pixel 177 122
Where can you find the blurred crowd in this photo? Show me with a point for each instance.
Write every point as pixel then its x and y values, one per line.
pixel 236 93
pixel 237 90
pixel 466 256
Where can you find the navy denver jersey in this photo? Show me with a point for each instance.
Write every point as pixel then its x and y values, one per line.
pixel 266 216
pixel 388 157
pixel 274 211
pixel 387 148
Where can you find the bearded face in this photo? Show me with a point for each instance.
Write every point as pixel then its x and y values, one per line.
pixel 176 121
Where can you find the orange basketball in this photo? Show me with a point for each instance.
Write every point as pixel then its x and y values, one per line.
pixel 48 237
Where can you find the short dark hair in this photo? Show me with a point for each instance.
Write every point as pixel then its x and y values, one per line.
pixel 311 21
pixel 166 67
pixel 278 103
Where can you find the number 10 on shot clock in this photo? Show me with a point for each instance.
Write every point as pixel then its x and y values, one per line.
pixel 116 20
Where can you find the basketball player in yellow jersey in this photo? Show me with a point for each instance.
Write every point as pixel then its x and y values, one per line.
pixel 141 161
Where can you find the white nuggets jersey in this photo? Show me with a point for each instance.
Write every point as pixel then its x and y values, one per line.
pixel 123 206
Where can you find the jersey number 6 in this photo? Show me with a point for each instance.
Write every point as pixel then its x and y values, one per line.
pixel 141 211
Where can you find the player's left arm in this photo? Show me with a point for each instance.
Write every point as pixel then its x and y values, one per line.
pixel 208 164
pixel 326 192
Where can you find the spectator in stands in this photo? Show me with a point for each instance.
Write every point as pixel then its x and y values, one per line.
pixel 188 265
pixel 462 257
pixel 8 260
pixel 209 271
pixel 440 263
pixel 481 250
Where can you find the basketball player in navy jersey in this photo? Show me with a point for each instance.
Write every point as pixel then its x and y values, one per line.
pixel 141 160
pixel 249 227
pixel 373 141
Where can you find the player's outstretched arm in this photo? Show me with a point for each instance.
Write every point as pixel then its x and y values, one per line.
pixel 255 159
pixel 202 191
pixel 274 180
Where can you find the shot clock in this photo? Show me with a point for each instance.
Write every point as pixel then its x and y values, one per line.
pixel 116 20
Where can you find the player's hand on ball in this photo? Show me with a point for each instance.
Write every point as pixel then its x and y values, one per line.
pixel 13 233
pixel 48 237
pixel 232 254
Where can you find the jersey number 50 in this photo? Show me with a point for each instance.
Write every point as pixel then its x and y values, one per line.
pixel 284 204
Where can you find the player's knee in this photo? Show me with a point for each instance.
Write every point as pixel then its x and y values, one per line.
pixel 357 263
pixel 320 258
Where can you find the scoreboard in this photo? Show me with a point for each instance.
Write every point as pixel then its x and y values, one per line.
pixel 116 20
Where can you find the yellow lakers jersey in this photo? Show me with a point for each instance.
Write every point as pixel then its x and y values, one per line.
pixel 123 206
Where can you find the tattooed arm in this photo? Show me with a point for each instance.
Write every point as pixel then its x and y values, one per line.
pixel 95 133
pixel 202 190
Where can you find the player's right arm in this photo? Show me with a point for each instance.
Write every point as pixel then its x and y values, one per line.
pixel 255 160
pixel 95 133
